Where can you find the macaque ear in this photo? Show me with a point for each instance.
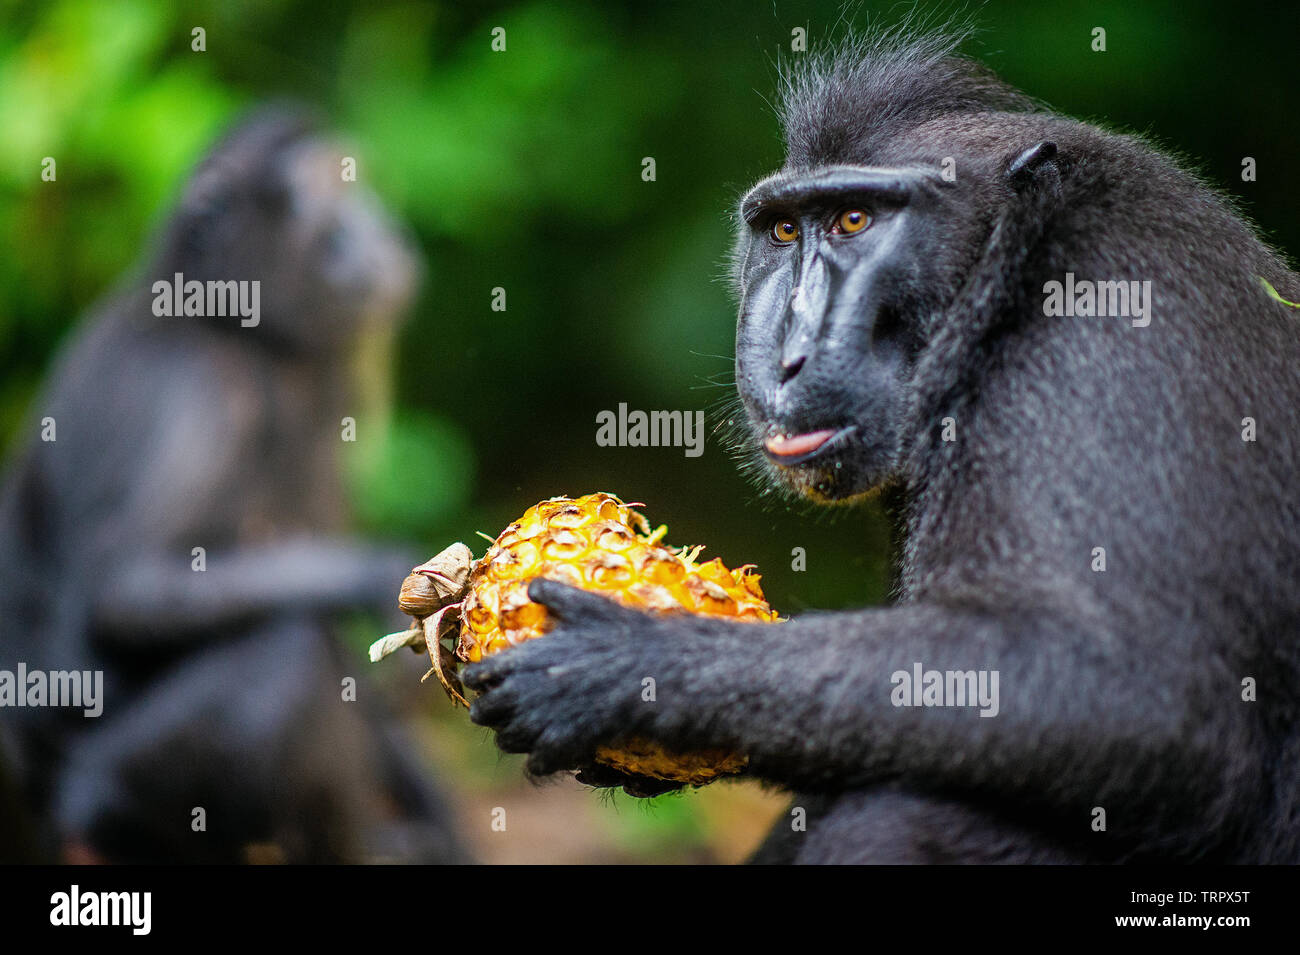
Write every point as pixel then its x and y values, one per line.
pixel 1025 167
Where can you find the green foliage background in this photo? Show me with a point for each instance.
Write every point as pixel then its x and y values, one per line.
pixel 522 170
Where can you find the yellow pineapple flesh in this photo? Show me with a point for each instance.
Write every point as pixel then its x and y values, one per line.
pixel 600 544
pixel 597 543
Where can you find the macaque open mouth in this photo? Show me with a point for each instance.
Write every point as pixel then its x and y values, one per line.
pixel 791 449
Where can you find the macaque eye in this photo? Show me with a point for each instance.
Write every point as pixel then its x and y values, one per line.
pixel 785 231
pixel 851 221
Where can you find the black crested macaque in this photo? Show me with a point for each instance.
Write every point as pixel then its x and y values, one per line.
pixel 222 688
pixel 1085 515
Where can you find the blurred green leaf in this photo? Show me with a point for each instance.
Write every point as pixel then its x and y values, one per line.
pixel 413 477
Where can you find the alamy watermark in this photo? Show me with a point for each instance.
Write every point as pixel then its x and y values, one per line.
pixel 217 299
pixel 75 907
pixel 1088 299
pixel 922 687
pixel 651 429
pixel 77 689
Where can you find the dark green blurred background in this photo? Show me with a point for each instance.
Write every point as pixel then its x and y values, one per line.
pixel 522 170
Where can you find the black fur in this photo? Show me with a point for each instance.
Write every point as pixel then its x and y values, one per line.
pixel 1119 690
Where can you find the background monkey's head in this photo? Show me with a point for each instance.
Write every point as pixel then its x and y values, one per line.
pixel 271 203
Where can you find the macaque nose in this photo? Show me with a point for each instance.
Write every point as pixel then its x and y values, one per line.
pixel 790 366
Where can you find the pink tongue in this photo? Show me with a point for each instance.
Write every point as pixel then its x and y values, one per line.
pixel 799 443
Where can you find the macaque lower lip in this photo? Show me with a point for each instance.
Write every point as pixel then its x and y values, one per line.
pixel 798 448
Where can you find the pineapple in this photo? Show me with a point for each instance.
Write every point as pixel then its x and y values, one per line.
pixel 595 542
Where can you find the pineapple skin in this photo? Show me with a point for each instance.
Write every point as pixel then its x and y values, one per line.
pixel 598 543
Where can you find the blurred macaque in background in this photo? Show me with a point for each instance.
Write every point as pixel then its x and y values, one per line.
pixel 176 519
